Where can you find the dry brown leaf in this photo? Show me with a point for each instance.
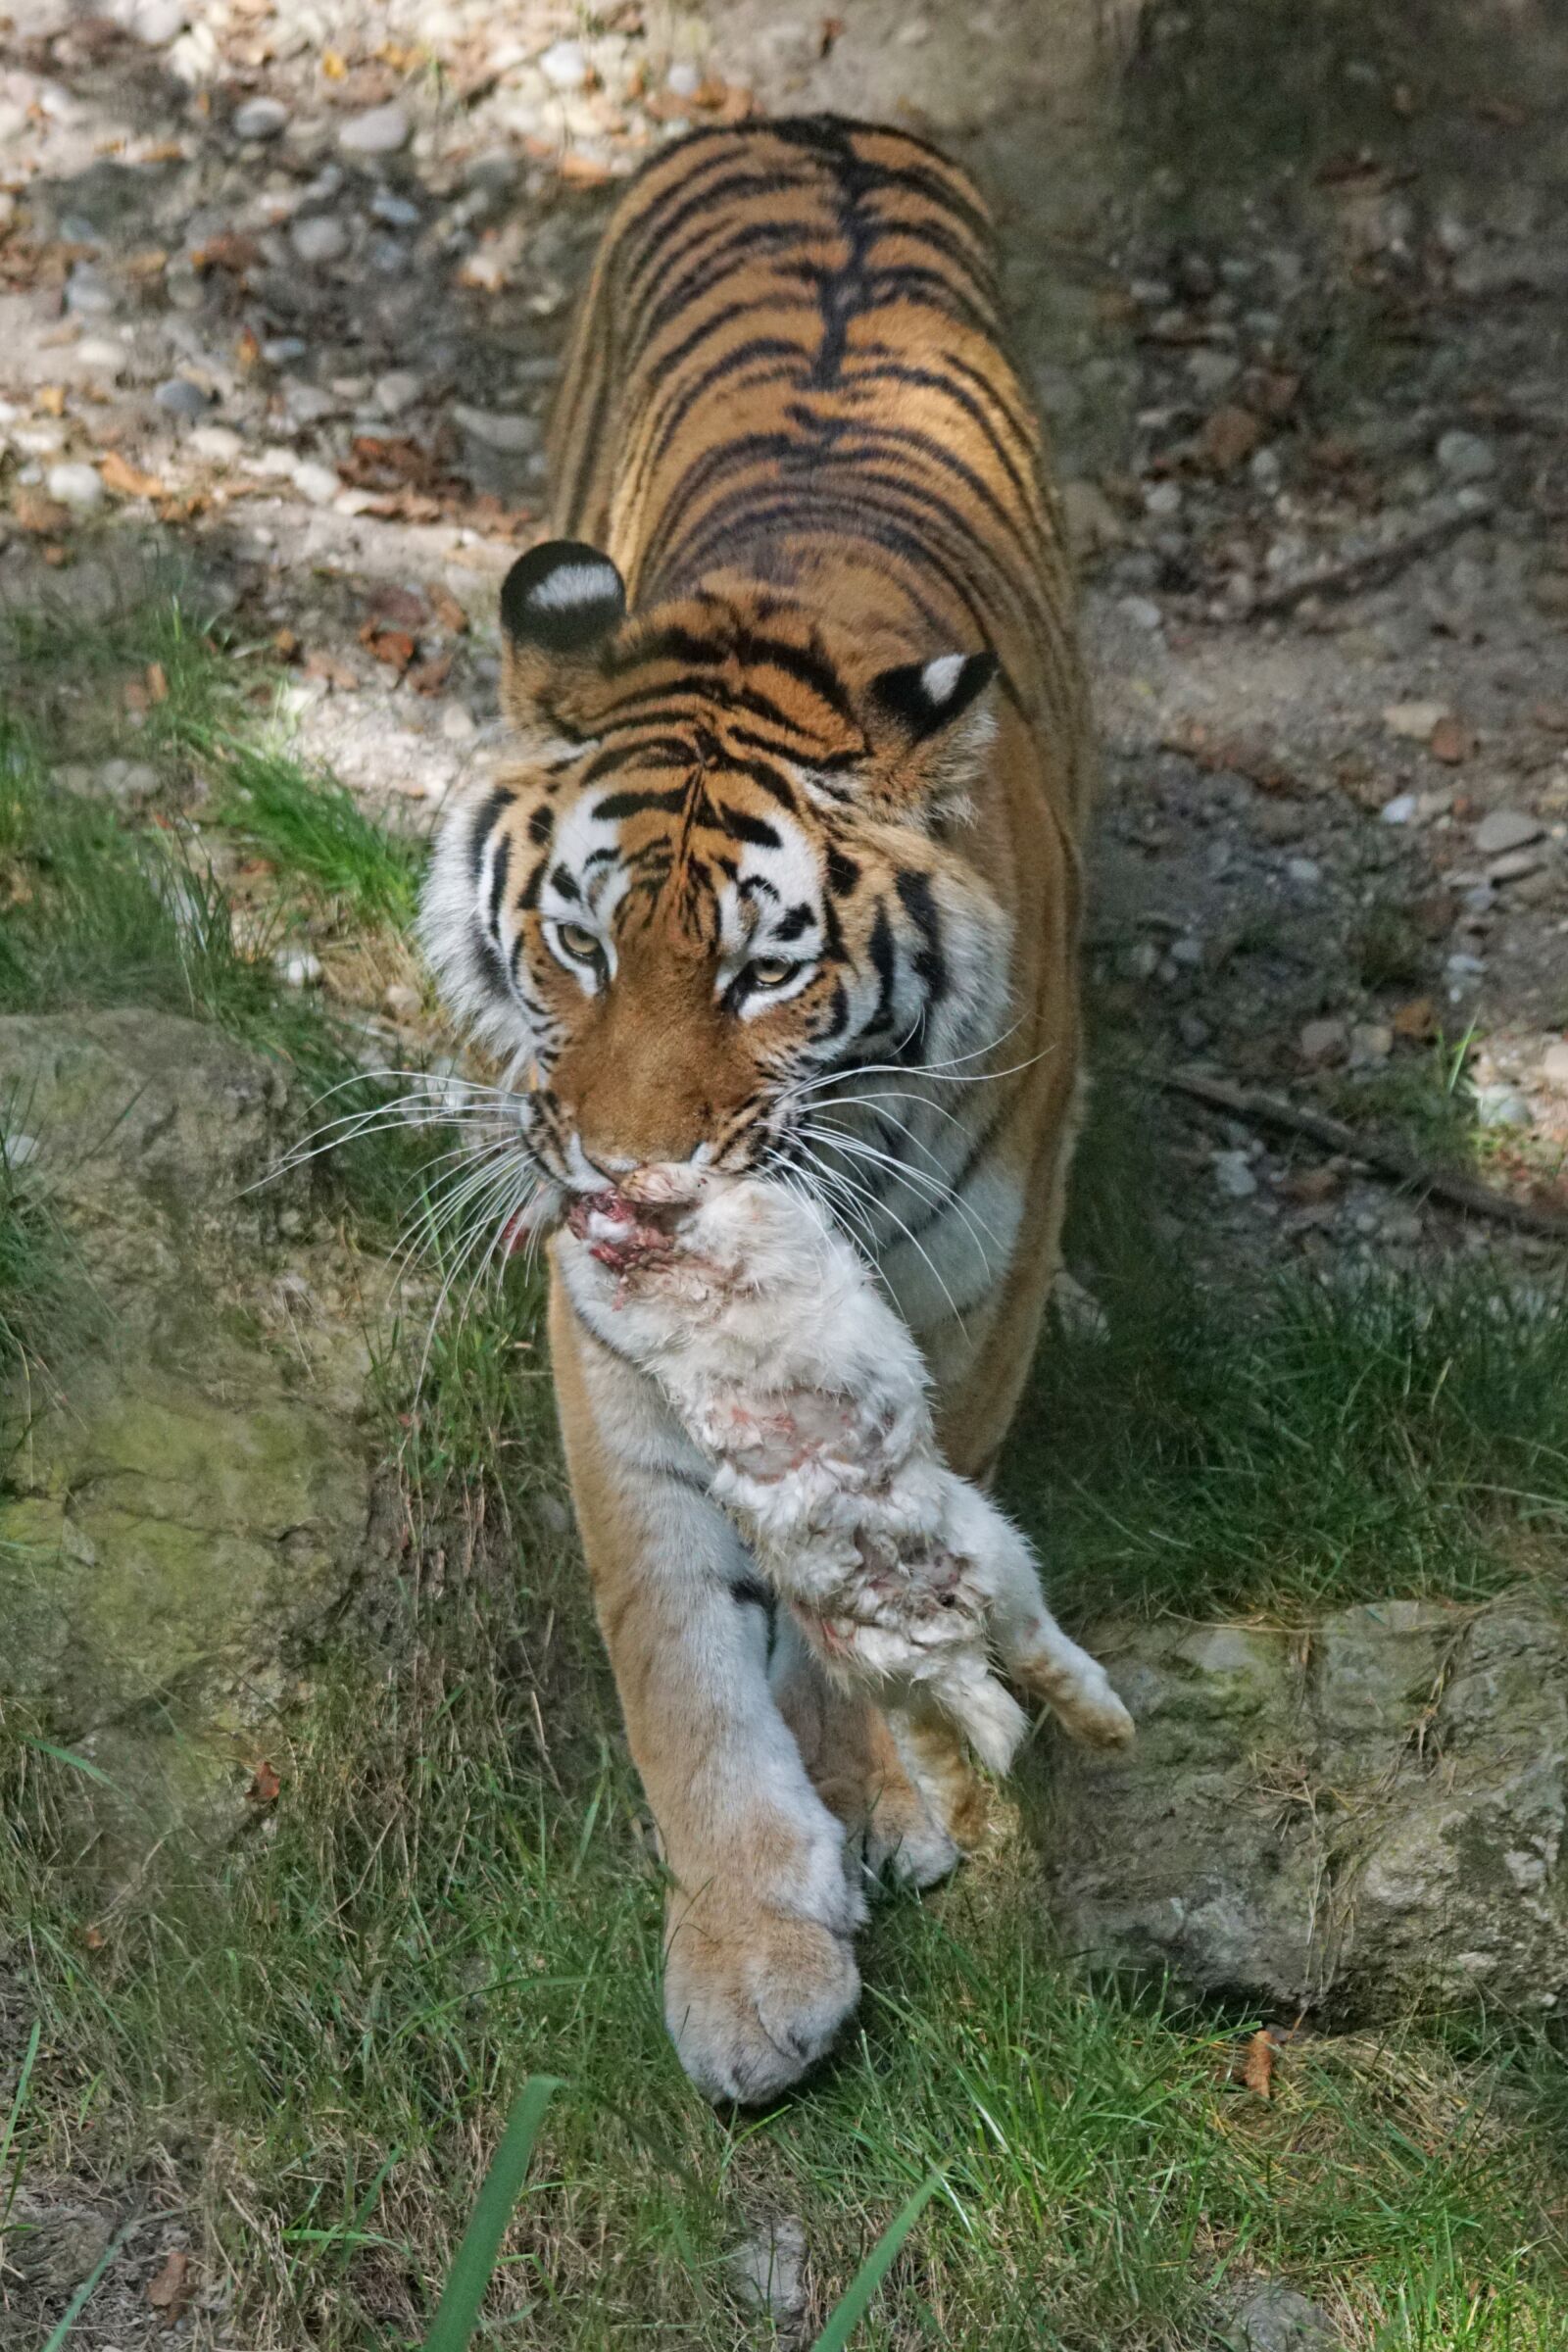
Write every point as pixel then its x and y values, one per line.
pixel 584 171
pixel 447 610
pixel 1257 2063
pixel 126 480
pixel 285 644
pixel 157 682
pixel 56 556
pixel 1231 434
pixel 266 1783
pixel 428 677
pixel 93 1936
pixel 228 250
pixel 51 398
pixel 395 647
pixel 172 2289
pixel 1417 1017
pixel 334 67
pixel 247 351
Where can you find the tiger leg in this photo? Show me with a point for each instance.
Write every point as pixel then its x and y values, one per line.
pixel 909 1800
pixel 759 1964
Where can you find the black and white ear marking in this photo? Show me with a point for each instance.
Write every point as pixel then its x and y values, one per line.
pixel 922 696
pixel 561 597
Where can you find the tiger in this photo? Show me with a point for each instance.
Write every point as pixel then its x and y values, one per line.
pixel 783 874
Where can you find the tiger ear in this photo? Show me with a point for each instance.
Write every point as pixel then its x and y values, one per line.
pixel 927 724
pixel 920 697
pixel 561 604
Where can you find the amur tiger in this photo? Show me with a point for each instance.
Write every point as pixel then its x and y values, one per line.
pixel 785 875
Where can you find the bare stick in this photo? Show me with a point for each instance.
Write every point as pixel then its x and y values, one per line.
pixel 1370 571
pixel 1270 1111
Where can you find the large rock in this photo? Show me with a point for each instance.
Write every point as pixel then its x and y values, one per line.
pixel 1343 1819
pixel 190 1503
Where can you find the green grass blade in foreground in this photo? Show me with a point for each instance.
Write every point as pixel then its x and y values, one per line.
pixel 481 2241
pixel 79 2300
pixel 853 2304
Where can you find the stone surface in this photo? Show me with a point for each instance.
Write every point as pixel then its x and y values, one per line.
pixel 1343 1819
pixel 195 1498
pixel 1268 2317
pixel 179 397
pixel 319 238
pixel 260 119
pixel 1507 829
pixel 75 485
pixel 381 130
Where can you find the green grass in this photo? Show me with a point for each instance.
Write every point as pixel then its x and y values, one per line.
pixel 311 828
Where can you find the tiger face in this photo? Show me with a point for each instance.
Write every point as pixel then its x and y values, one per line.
pixel 728 863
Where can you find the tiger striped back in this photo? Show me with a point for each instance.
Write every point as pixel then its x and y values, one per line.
pixel 791 368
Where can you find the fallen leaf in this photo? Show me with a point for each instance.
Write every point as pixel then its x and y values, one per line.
pixel 1450 741
pixel 172 2289
pixel 395 647
pixel 150 262
pixel 136 698
pixel 51 398
pixel 584 171
pixel 447 610
pixel 1417 1017
pixel 399 608
pixel 227 250
pixel 1230 434
pixel 93 1936
pixel 1257 2064
pixel 56 556
pixel 32 512
pixel 117 473
pixel 265 1785
pixel 157 682
pixel 285 644
pixel 334 67
pixel 1309 1187
pixel 247 351
pixel 428 677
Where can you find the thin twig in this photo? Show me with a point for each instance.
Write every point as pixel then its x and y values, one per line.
pixel 1369 570
pixel 1390 1159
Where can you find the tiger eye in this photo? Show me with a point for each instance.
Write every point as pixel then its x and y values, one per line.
pixel 578 942
pixel 771 972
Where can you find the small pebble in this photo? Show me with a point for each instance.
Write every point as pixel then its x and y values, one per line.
pixel 1323 1042
pixel 396 391
pixel 1306 872
pixel 1415 722
pixel 1371 1041
pixel 281 351
pixel 319 239
pixel 1401 810
pixel 1507 829
pixel 1162 500
pixel 564 65
pixel 1233 1176
pixel 75 486
pixel 219 444
pixel 315 482
pixel 402 1002
pixel 177 396
pixel 1502 1105
pixel 16 1149
pixel 297 967
pixel 1142 612
pixel 1554 1064
pixel 458 724
pixel 100 355
pixel 684 78
pixel 514 436
pixel 1516 865
pixel 381 130
pixel 156 22
pixel 1467 456
pixel 87 295
pixel 260 119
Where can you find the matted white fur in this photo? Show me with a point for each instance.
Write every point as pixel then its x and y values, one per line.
pixel 806 1395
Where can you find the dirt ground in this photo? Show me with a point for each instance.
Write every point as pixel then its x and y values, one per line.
pixel 284 285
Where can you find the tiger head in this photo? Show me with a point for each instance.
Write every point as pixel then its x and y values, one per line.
pixel 728 863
